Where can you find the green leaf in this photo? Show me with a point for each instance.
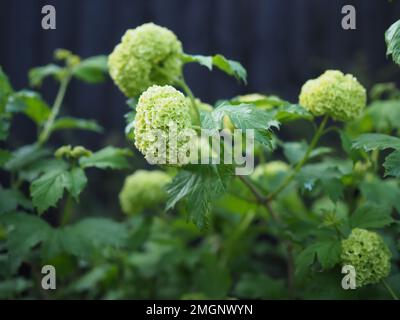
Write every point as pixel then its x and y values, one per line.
pixel 230 67
pixel 5 90
pixel 381 192
pixel 38 74
pixel 206 61
pixel 77 183
pixel 5 123
pixel 384 115
pixel 213 278
pixel 304 261
pixel 5 155
pixel 245 116
pixel 25 156
pixel 327 252
pixel 392 164
pixel 248 287
pixel 49 188
pixel 94 277
pixel 92 70
pixel 5 118
pixel 295 151
pixel 74 123
pixel 372 141
pixel 26 231
pixel 327 175
pixel 199 187
pixel 40 166
pixel 109 157
pixel 101 232
pixel 392 38
pixel 13 288
pixel 371 216
pixel 290 112
pixel 83 238
pixel 10 199
pixel 31 104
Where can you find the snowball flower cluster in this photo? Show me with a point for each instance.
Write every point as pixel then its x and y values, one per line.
pixel 340 96
pixel 163 114
pixel 368 254
pixel 143 190
pixel 147 55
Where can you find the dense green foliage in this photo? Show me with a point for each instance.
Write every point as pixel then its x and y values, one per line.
pixel 192 231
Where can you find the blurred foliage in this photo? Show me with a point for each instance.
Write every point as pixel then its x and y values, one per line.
pixel 276 234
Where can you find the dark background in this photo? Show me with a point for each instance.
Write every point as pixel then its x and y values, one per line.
pixel 281 43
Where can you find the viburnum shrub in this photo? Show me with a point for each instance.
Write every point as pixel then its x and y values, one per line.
pixel 311 210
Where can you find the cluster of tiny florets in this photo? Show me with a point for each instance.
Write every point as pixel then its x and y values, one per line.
pixel 368 254
pixel 340 96
pixel 147 55
pixel 143 190
pixel 163 114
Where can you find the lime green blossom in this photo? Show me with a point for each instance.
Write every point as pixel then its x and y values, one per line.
pixel 251 97
pixel 368 254
pixel 270 169
pixel 340 96
pixel 163 116
pixel 271 174
pixel 144 57
pixel 143 190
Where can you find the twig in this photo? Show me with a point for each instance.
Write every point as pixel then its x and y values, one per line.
pixel 298 167
pixel 288 245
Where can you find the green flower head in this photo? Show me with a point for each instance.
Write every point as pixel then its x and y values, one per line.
pixel 340 96
pixel 163 125
pixel 143 190
pixel 368 254
pixel 270 169
pixel 144 57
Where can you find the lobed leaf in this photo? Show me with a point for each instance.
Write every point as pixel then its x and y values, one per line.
pixel 31 104
pixel 371 216
pixel 92 70
pixel 372 141
pixel 230 67
pixel 392 164
pixel 38 74
pixel 74 123
pixel 109 157
pixel 392 38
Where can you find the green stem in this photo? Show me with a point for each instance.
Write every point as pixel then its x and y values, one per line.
pixel 390 290
pixel 287 243
pixel 236 236
pixel 182 83
pixel 375 159
pixel 45 133
pixel 67 213
pixel 298 167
